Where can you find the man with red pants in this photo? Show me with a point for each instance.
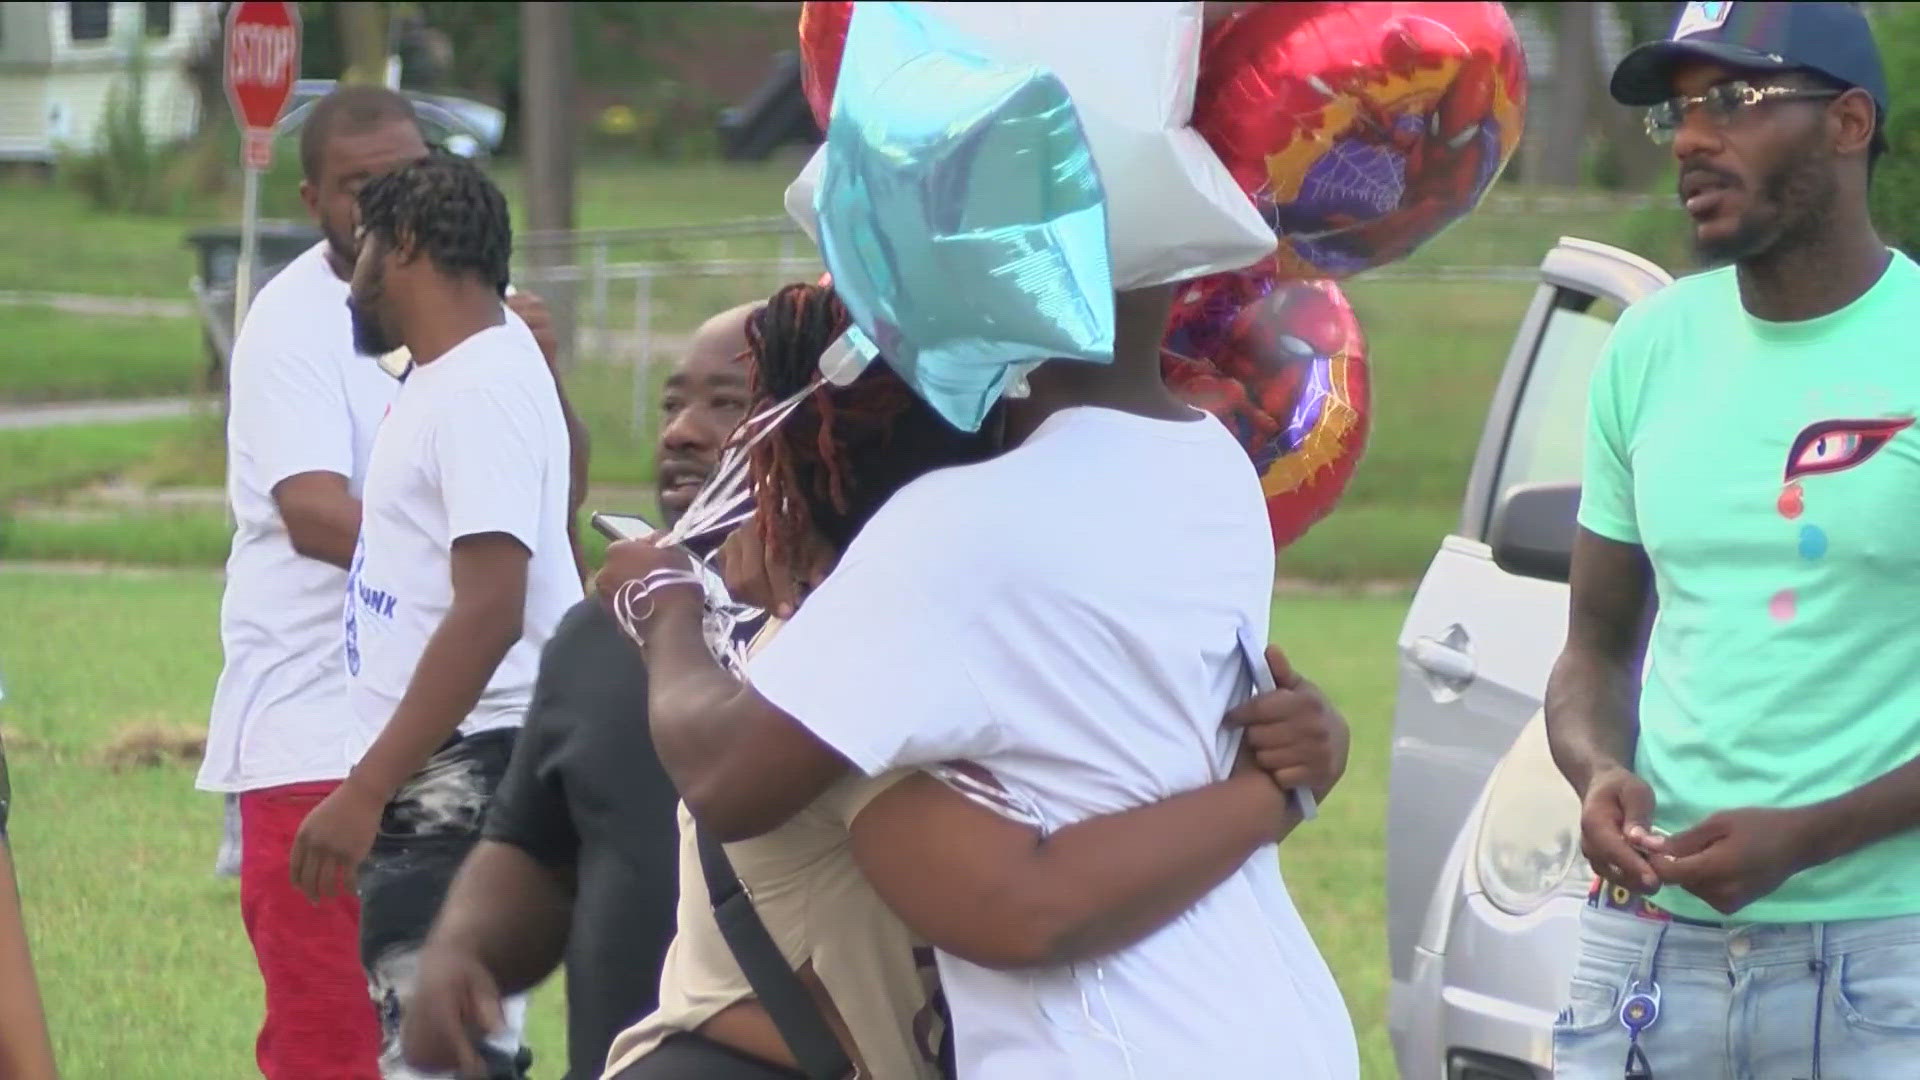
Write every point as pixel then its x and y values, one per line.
pixel 303 410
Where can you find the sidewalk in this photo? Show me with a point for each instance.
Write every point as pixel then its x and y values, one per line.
pixel 21 417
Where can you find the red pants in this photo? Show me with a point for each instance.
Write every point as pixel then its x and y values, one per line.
pixel 320 1023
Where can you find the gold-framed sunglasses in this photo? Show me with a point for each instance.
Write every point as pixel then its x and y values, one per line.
pixel 1722 103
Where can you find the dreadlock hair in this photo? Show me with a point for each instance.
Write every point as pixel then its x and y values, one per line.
pixel 349 110
pixel 844 451
pixel 445 208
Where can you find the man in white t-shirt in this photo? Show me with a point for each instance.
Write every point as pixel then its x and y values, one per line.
pixel 462 571
pixel 1033 617
pixel 302 413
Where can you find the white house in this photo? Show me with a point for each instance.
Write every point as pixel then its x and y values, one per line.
pixel 59 61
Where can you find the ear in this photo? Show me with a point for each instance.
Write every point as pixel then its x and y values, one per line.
pixel 310 195
pixel 405 251
pixel 1853 120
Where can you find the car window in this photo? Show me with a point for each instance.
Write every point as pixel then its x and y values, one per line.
pixel 1550 422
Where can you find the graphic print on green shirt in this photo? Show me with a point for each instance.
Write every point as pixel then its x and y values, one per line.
pixel 1772 473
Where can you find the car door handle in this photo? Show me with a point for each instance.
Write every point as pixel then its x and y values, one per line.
pixel 1445 658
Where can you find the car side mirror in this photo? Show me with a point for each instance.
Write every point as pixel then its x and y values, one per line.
pixel 1533 527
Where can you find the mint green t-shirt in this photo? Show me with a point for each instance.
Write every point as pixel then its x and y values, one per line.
pixel 1772 473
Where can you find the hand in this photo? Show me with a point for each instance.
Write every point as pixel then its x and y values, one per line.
pixel 455 1003
pixel 334 840
pixel 533 311
pixel 1295 735
pixel 1613 829
pixel 633 560
pixel 1735 857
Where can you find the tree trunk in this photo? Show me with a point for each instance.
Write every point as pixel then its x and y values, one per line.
pixel 362 26
pixel 1575 52
pixel 547 150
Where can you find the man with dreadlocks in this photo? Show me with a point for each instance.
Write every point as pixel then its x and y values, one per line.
pixel 1096 884
pixel 579 860
pixel 462 570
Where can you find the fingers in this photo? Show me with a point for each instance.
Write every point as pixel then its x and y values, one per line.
pixel 484 1012
pixel 1301 701
pixel 309 870
pixel 1613 858
pixel 1695 840
pixel 1283 674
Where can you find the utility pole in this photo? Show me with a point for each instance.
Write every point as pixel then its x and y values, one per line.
pixel 547 147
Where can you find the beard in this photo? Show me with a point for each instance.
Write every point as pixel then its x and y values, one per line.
pixel 340 242
pixel 369 337
pixel 1790 208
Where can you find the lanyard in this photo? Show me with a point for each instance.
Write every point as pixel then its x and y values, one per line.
pixel 1637 1013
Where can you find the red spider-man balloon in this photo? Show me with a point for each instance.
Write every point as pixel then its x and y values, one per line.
pixel 1283 365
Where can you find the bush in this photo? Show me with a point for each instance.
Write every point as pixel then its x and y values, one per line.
pixel 127 172
pixel 1896 183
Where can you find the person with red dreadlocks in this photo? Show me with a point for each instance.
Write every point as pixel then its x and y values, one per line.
pixel 1092 886
pixel 817 479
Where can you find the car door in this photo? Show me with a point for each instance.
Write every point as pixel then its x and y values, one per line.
pixel 1478 642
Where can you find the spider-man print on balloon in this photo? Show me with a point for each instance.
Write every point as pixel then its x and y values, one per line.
pixel 1361 130
pixel 1283 365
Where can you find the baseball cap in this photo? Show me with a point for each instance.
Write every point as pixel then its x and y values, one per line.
pixel 1831 39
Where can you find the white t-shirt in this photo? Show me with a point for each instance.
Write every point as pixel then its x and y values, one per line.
pixel 1068 616
pixel 302 401
pixel 475 444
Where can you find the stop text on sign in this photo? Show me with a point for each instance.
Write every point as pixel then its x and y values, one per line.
pixel 263 55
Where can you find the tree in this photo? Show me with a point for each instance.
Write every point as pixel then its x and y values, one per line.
pixel 362 29
pixel 1896 183
pixel 547 145
pixel 1569 98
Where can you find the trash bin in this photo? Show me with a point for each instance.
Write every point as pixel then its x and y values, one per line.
pixel 217 252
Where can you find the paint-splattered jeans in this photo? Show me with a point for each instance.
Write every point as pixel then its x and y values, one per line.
pixel 425 834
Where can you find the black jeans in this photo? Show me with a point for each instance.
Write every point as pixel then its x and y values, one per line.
pixel 687 1056
pixel 425 834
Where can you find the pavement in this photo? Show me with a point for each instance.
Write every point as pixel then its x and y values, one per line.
pixel 22 417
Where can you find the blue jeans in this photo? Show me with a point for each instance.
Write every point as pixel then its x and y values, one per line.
pixel 1796 1001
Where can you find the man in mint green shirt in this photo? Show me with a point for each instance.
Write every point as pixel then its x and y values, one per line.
pixel 1753 464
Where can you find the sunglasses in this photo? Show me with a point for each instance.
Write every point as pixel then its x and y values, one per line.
pixel 1722 104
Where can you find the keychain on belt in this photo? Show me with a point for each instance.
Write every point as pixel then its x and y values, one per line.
pixel 1637 1014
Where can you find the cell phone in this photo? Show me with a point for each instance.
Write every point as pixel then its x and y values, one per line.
pixel 622 526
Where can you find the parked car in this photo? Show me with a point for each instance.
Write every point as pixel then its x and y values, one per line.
pixel 1484 874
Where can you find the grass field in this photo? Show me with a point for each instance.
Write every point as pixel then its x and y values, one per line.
pixel 52 355
pixel 1436 350
pixel 139 947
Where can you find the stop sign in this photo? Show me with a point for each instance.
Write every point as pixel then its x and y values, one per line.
pixel 263 60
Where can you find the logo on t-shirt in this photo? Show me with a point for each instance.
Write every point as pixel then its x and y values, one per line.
pixel 1699 18
pixel 1832 446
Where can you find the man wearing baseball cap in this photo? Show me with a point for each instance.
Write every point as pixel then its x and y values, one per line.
pixel 1753 807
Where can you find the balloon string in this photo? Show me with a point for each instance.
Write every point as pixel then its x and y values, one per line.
pixel 727 489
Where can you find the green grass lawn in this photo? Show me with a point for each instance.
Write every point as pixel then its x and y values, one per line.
pixel 56 355
pixel 1435 351
pixel 139 948
pixel 55 242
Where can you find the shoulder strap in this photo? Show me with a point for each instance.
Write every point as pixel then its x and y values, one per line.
pixel 786 999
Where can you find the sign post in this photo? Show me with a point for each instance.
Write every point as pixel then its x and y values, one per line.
pixel 262 62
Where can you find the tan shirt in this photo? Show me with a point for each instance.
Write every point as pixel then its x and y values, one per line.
pixel 817 907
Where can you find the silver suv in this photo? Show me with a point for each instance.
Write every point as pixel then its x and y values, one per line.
pixel 1484 874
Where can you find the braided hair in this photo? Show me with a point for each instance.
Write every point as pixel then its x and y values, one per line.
pixel 837 458
pixel 445 208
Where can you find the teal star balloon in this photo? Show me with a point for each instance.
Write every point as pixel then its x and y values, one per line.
pixel 960 212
